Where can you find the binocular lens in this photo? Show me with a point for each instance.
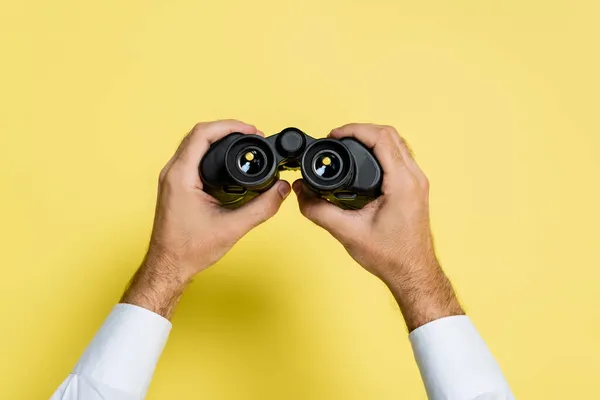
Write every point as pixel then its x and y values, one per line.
pixel 251 161
pixel 327 164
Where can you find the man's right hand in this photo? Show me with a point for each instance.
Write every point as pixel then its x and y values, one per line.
pixel 391 236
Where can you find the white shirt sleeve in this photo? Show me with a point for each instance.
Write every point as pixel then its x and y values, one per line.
pixel 119 362
pixel 455 362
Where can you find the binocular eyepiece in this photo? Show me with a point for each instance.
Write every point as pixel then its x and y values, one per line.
pixel 239 167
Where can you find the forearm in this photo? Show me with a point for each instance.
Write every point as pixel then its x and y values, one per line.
pixel 423 292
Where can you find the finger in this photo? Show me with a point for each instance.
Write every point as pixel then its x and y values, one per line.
pixel 260 208
pixel 405 150
pixel 185 143
pixel 373 136
pixel 409 158
pixel 196 144
pixel 172 160
pixel 320 211
pixel 378 138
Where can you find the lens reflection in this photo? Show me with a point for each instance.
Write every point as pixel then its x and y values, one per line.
pixel 251 161
pixel 327 164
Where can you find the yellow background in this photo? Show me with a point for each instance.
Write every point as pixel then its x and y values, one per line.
pixel 499 100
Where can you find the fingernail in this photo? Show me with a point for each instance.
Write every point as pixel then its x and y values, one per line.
pixel 283 189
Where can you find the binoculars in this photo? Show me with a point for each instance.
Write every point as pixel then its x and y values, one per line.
pixel 239 167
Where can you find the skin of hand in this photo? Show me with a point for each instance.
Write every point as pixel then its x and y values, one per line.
pixel 191 229
pixel 391 236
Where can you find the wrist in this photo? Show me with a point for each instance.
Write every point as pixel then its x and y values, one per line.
pixel 157 286
pixel 423 292
pixel 409 271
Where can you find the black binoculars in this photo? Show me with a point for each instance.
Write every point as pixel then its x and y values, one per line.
pixel 239 167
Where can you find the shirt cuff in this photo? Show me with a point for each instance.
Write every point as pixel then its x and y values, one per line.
pixel 455 362
pixel 124 352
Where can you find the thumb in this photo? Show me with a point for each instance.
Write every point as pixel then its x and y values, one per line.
pixel 320 211
pixel 262 207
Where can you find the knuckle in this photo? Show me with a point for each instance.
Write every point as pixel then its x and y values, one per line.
pixel 397 154
pixel 383 131
pixel 197 129
pixel 390 129
pixel 306 211
pixel 425 184
pixel 261 214
pixel 402 141
pixel 270 209
pixel 411 185
pixel 168 184
pixel 416 188
pixel 388 134
pixel 172 177
pixel 231 121
pixel 162 174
